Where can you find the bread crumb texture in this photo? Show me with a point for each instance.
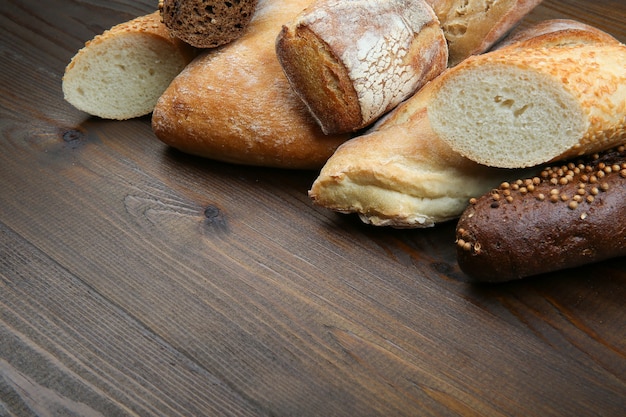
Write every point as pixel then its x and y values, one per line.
pixel 121 73
pixel 207 23
pixel 516 108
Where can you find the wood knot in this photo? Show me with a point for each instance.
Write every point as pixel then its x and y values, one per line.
pixel 72 137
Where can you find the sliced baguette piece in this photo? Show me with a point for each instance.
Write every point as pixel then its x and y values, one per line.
pixel 121 73
pixel 234 103
pixel 401 174
pixel 474 26
pixel 352 61
pixel 207 23
pixel 523 106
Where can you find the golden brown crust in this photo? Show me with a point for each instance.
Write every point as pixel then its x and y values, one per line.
pixel 234 104
pixel 149 25
pixel 531 105
pixel 351 62
pixel 473 26
pixel 556 33
pixel 400 174
pixel 318 76
pixel 566 216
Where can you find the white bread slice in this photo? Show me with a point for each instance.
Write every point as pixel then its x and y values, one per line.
pixel 524 105
pixel 350 62
pixel 401 174
pixel 121 73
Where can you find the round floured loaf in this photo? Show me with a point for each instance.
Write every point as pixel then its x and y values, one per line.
pixel 234 103
pixel 353 61
pixel 527 105
pixel 566 216
pixel 207 23
pixel 121 73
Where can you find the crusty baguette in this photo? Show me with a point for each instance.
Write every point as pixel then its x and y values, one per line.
pixel 555 33
pixel 121 73
pixel 234 103
pixel 352 61
pixel 528 105
pixel 401 174
pixel 473 26
pixel 207 23
pixel 566 216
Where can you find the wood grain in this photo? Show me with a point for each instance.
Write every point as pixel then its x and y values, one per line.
pixel 139 281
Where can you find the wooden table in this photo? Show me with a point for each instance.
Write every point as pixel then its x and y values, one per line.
pixel 139 281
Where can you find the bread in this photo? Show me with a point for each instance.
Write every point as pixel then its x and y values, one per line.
pixel 566 216
pixel 401 174
pixel 234 103
pixel 352 61
pixel 207 23
pixel 473 26
pixel 555 33
pixel 527 105
pixel 121 73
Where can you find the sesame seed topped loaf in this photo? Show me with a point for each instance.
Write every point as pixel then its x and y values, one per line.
pixel 568 215
pixel 524 106
pixel 473 26
pixel 352 61
pixel 207 23
pixel 121 73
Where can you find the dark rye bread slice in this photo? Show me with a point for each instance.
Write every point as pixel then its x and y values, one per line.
pixel 567 216
pixel 207 23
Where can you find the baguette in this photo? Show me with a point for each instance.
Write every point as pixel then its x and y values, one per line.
pixel 556 33
pixel 121 73
pixel 473 26
pixel 569 215
pixel 526 105
pixel 401 174
pixel 352 61
pixel 234 103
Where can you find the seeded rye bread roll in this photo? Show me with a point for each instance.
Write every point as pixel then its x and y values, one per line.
pixel 524 106
pixel 352 61
pixel 121 73
pixel 207 23
pixel 401 174
pixel 234 103
pixel 568 215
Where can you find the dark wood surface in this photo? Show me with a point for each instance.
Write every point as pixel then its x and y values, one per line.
pixel 139 281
